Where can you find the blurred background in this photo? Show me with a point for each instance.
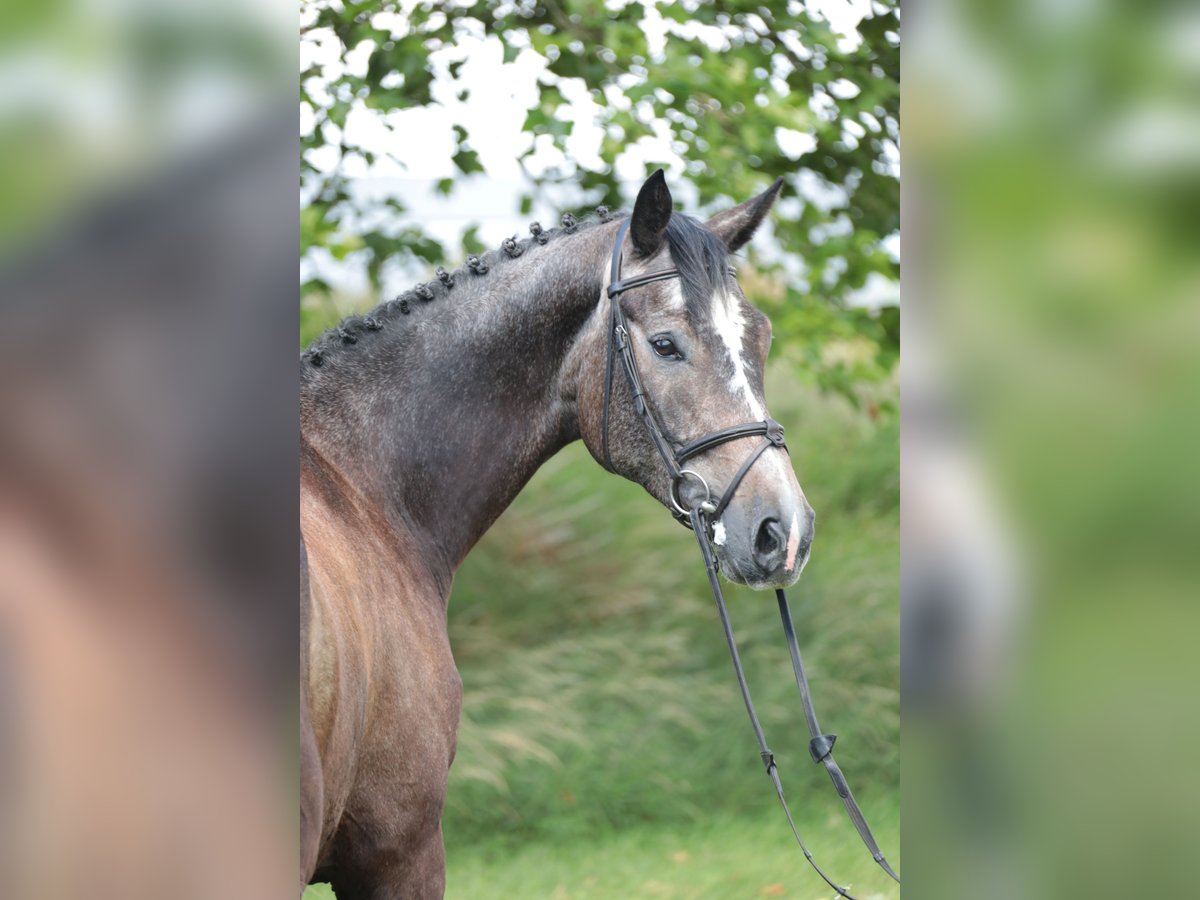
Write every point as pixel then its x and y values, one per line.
pixel 603 751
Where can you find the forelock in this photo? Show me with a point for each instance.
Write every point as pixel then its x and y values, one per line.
pixel 699 255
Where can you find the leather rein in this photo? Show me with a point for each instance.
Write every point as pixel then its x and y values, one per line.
pixel 700 518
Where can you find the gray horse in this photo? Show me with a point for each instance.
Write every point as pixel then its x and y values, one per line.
pixel 419 425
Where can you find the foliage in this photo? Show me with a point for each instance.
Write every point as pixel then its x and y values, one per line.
pixel 733 85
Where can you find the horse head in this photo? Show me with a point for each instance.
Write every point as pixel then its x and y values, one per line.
pixel 696 354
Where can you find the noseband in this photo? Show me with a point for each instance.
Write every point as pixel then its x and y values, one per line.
pixel 700 519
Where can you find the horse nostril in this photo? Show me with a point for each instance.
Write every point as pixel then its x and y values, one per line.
pixel 769 541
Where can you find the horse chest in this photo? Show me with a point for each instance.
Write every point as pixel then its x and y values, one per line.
pixel 384 694
pixel 379 664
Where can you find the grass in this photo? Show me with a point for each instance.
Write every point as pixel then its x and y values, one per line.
pixel 603 749
pixel 720 858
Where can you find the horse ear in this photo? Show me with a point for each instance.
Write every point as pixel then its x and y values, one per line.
pixel 736 226
pixel 651 213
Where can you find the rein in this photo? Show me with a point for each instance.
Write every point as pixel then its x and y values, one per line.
pixel 699 518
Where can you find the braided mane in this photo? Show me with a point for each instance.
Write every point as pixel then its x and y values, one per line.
pixel 699 255
pixel 350 330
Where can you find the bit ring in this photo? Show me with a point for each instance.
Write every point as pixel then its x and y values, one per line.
pixel 706 505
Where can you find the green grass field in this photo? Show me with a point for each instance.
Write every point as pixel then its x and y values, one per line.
pixel 604 751
pixel 719 858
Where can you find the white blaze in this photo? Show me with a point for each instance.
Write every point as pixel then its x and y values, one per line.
pixel 731 326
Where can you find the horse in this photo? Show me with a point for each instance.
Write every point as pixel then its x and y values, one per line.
pixel 421 421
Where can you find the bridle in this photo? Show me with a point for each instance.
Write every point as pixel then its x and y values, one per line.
pixel 673 455
pixel 704 515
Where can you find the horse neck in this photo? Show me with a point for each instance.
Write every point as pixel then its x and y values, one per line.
pixel 439 419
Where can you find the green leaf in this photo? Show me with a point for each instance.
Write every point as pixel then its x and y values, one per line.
pixel 467 161
pixel 471 242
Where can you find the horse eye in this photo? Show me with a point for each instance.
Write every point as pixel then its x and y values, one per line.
pixel 665 348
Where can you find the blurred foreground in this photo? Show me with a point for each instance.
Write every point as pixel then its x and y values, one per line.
pixel 147 436
pixel 1051 499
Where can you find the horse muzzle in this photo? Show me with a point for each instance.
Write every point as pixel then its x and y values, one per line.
pixel 767 548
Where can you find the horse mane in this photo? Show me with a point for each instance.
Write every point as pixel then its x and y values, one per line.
pixel 698 254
